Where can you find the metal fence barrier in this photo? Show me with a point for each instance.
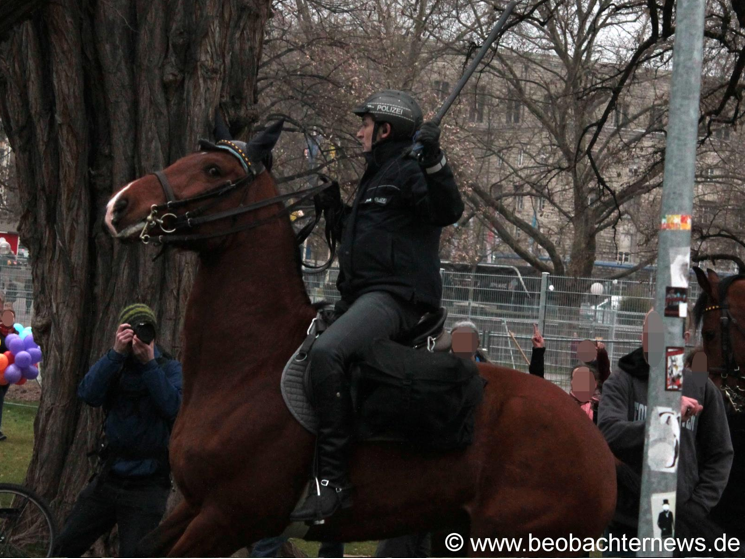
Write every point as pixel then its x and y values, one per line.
pixel 16 286
pixel 504 307
pixel 567 310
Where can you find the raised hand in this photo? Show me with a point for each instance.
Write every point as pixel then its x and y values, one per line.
pixel 142 351
pixel 123 339
pixel 537 339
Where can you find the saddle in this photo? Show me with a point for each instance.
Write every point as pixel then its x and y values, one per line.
pixel 375 380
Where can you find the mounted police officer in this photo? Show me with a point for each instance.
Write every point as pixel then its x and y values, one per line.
pixel 389 271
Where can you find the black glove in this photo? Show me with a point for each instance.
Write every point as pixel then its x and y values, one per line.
pixel 330 198
pixel 429 137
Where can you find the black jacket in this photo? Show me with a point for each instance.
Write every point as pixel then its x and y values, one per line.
pixel 705 445
pixel 391 235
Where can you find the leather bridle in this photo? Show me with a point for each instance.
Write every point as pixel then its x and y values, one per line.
pixel 731 370
pixel 171 223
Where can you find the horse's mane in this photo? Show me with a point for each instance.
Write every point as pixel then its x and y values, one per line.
pixel 703 299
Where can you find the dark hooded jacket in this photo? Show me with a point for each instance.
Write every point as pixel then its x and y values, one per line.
pixel 705 450
pixel 391 234
pixel 141 402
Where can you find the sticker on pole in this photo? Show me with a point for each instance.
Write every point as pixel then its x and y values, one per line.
pixel 679 266
pixel 663 515
pixel 674 368
pixel 675 222
pixel 676 302
pixel 664 440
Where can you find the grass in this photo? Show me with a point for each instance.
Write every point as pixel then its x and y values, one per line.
pixel 356 549
pixel 16 450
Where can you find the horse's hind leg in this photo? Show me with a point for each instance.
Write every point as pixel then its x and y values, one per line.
pixel 160 541
pixel 206 536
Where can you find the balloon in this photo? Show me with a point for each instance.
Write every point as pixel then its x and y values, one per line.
pixel 3 382
pixel 16 346
pixel 23 359
pixel 31 373
pixel 12 374
pixel 35 354
pixel 26 332
pixel 3 362
pixel 18 327
pixel 29 342
pixel 9 338
pixel 10 357
pixel 21 382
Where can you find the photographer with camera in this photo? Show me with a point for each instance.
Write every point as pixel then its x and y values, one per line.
pixel 139 386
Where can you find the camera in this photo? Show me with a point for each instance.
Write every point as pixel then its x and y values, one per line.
pixel 144 331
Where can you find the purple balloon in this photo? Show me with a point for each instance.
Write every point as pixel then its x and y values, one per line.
pixel 30 373
pixel 35 354
pixel 28 342
pixel 16 346
pixel 9 338
pixel 13 374
pixel 23 359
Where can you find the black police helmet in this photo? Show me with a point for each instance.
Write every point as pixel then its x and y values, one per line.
pixel 397 108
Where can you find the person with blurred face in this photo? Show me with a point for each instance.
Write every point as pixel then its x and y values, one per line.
pixel 705 453
pixel 465 344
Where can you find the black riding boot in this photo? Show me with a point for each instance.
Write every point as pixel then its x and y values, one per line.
pixel 331 489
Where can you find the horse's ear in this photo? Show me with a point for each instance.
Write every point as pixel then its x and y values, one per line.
pixel 262 144
pixel 221 129
pixel 703 281
pixel 713 278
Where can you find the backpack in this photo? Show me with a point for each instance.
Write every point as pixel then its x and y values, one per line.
pixel 430 398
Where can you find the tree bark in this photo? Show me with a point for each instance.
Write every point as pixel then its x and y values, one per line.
pixel 94 94
pixel 13 12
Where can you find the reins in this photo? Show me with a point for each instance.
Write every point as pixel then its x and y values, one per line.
pixel 170 223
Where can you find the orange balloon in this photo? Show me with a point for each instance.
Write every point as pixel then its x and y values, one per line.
pixel 10 357
pixel 3 382
pixel 3 362
pixel 22 381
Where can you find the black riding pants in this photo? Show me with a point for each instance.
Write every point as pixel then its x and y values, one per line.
pixel 373 315
pixel 136 508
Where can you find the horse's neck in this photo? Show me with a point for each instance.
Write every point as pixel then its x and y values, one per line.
pixel 247 309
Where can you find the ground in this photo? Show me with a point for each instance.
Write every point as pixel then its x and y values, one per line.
pixel 19 412
pixel 18 424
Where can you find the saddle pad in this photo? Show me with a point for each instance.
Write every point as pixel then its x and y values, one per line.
pixel 293 388
pixel 296 399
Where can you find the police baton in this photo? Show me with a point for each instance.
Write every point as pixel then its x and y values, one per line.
pixel 469 71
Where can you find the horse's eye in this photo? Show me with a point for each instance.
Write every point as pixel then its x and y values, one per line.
pixel 709 335
pixel 214 171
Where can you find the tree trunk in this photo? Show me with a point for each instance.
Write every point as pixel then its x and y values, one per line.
pixel 94 94
pixel 13 12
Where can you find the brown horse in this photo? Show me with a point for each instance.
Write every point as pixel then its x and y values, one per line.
pixel 537 465
pixel 720 310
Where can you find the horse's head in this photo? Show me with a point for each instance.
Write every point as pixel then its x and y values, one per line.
pixel 188 200
pixel 720 310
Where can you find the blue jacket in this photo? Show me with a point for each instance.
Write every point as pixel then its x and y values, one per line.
pixel 140 412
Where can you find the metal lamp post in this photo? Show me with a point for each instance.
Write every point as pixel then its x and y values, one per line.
pixel 597 291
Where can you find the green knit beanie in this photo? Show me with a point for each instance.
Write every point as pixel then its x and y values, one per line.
pixel 137 313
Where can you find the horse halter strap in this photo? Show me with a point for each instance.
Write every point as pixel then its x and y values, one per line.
pixel 731 368
pixel 170 222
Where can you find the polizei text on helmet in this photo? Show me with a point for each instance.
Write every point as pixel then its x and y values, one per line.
pixel 390 109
